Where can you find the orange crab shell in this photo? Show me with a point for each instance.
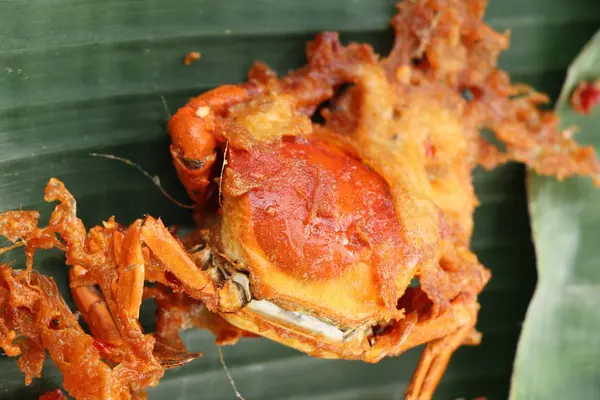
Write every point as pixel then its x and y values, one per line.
pixel 313 226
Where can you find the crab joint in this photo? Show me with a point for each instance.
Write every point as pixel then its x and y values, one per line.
pixel 171 253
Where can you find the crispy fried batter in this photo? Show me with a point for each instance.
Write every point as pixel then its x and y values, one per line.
pixel 416 119
pixel 119 361
pixel 445 43
pixel 35 319
pixel 359 206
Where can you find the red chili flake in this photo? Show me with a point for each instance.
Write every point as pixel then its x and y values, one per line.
pixel 171 278
pixel 55 394
pixel 585 97
pixel 103 346
pixel 429 149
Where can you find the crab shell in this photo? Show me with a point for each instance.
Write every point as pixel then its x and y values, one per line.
pixel 322 246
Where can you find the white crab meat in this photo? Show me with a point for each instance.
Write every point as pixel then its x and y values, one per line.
pixel 303 321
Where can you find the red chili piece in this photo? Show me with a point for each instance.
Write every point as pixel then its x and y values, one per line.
pixel 103 346
pixel 585 97
pixel 55 394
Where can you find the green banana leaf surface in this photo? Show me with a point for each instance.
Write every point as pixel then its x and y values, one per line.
pixel 559 350
pixel 82 76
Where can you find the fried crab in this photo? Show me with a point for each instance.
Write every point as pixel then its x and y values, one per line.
pixel 343 239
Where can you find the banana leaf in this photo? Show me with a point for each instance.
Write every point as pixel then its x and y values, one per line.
pixel 559 352
pixel 88 76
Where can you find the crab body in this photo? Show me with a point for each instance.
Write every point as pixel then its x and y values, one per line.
pixel 343 239
pixel 322 228
pixel 316 232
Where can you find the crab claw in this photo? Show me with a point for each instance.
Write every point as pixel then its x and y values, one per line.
pixel 199 128
pixel 195 135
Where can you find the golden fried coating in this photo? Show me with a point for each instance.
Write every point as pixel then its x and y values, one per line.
pixel 119 360
pixel 346 239
pixel 34 320
pixel 446 44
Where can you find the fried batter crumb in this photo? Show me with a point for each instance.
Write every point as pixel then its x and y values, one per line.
pixel 416 118
pixel 191 57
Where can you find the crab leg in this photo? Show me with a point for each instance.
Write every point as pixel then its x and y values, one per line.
pixel 130 287
pixel 443 334
pixel 94 310
pixel 433 362
pixel 418 328
pixel 127 290
pixel 177 261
